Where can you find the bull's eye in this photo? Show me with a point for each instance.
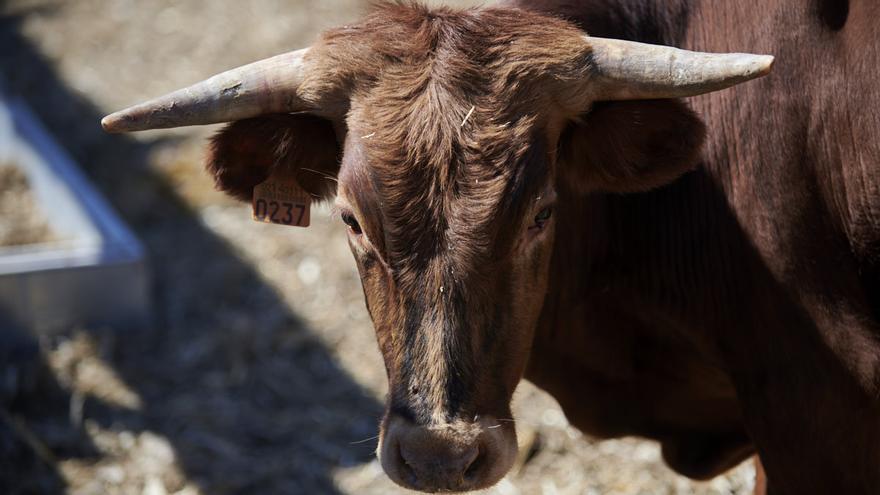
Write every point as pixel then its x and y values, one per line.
pixel 353 224
pixel 543 217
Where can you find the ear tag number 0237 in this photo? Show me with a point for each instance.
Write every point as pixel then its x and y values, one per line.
pixel 282 201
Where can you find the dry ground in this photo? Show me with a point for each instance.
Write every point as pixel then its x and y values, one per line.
pixel 260 373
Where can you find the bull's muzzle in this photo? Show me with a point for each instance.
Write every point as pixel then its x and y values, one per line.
pixel 450 457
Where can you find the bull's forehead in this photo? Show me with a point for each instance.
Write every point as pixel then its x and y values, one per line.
pixel 443 184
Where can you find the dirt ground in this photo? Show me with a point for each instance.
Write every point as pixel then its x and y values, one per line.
pixel 260 372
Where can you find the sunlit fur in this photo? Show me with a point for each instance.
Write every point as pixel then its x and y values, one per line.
pixel 452 144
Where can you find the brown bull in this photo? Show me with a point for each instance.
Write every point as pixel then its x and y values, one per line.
pixel 516 204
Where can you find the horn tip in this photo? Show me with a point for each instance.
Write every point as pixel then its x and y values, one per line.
pixel 114 123
pixel 765 64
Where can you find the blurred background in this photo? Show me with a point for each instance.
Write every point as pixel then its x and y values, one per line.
pixel 185 348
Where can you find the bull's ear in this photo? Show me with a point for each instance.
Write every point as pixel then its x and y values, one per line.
pixel 630 146
pixel 246 152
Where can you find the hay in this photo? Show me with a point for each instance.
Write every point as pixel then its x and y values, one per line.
pixel 22 221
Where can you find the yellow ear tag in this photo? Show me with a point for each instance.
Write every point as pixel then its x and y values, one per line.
pixel 281 200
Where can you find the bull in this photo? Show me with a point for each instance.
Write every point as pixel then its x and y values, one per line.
pixel 525 199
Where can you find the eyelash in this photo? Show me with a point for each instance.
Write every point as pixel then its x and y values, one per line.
pixel 542 218
pixel 352 223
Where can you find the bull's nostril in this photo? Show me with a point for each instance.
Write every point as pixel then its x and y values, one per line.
pixel 406 471
pixel 473 469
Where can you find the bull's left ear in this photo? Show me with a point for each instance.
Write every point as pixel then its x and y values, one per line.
pixel 630 146
pixel 246 152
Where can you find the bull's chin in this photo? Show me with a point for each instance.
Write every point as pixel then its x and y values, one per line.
pixel 452 457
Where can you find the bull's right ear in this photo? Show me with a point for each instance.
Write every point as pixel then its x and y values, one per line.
pixel 631 146
pixel 246 152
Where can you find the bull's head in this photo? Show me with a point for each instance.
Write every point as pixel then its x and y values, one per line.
pixel 455 137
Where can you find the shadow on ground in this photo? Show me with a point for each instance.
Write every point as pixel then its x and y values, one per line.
pixel 249 399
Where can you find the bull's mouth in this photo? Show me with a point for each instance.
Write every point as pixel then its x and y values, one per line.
pixel 452 457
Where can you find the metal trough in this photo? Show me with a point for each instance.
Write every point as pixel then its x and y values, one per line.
pixel 97 276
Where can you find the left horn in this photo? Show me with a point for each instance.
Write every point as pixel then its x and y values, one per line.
pixel 626 70
pixel 263 87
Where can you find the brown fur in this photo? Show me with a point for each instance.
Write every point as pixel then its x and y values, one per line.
pixel 737 304
pixel 766 259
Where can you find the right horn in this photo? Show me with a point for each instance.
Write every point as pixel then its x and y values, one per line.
pixel 263 87
pixel 627 70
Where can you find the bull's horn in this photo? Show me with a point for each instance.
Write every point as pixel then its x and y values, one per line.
pixel 626 70
pixel 267 86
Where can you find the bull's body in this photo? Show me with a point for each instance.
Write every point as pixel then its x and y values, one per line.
pixel 741 301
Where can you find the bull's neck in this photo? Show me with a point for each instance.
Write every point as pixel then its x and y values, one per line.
pixel 665 255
